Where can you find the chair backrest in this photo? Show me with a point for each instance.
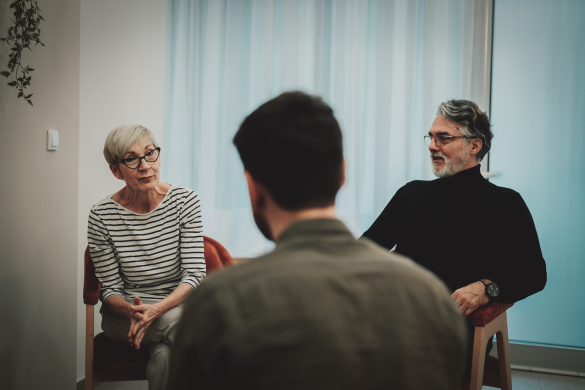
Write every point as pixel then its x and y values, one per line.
pixel 216 257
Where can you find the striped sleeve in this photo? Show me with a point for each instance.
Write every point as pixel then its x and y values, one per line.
pixel 107 268
pixel 191 241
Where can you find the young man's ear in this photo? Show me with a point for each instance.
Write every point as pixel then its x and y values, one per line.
pixel 256 191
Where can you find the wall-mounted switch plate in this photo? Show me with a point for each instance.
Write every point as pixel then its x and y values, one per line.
pixel 52 139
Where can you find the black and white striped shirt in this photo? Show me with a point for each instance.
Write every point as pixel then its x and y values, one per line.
pixel 147 255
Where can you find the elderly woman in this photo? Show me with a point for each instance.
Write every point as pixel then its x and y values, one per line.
pixel 147 246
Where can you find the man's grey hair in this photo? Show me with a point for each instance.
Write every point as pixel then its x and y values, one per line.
pixel 121 139
pixel 471 122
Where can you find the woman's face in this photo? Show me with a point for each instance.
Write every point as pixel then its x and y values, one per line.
pixel 146 176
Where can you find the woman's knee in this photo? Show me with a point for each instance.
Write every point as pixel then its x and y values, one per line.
pixel 168 323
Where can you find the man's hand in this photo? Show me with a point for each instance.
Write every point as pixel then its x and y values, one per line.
pixel 469 298
pixel 140 320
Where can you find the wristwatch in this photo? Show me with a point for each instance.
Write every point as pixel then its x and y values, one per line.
pixel 491 290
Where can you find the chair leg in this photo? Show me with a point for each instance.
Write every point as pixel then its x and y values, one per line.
pixel 504 355
pixel 478 359
pixel 89 312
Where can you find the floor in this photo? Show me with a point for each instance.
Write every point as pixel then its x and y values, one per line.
pixel 521 380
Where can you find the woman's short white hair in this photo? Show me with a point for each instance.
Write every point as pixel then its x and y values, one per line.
pixel 121 139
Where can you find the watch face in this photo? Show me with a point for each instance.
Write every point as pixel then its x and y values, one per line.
pixel 493 290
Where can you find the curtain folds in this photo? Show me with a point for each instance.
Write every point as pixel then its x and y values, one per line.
pixel 384 67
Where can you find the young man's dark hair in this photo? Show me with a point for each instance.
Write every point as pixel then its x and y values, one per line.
pixel 292 144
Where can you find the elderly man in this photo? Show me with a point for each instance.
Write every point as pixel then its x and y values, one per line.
pixel 479 238
pixel 322 311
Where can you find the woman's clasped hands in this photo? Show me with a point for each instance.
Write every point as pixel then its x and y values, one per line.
pixel 141 316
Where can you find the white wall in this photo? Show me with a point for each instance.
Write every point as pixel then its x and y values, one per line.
pixel 38 208
pixel 122 78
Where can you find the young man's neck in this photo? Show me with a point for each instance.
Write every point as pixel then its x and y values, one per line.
pixel 280 220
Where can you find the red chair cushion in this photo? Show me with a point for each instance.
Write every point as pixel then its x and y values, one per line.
pixel 486 314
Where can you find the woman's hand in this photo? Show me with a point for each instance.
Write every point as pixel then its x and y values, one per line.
pixel 140 319
pixel 134 317
pixel 141 315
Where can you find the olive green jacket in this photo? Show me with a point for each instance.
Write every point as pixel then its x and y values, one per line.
pixel 322 311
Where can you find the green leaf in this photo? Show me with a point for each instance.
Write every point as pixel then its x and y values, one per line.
pixel 5 73
pixel 41 16
pixel 12 83
pixel 30 69
pixel 3 39
pixel 20 94
pixel 29 102
pixel 42 44
pixel 12 5
pixel 28 97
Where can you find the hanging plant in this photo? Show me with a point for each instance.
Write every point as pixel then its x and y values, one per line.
pixel 25 31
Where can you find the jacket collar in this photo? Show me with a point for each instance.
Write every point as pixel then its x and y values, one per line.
pixel 314 228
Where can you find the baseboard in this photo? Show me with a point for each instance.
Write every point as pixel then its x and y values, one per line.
pixel 552 360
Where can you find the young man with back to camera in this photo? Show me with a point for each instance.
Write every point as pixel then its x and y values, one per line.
pixel 322 310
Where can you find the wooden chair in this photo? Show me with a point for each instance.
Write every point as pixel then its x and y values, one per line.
pixel 107 361
pixel 489 320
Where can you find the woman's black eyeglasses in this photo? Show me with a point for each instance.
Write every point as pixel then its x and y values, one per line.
pixel 134 162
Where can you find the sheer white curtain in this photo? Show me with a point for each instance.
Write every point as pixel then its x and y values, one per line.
pixel 384 66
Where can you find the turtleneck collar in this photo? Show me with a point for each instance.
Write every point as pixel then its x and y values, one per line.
pixel 471 175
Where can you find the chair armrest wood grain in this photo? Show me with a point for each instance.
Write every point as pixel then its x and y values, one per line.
pixel 91 284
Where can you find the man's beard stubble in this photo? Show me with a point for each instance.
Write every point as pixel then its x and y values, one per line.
pixel 453 165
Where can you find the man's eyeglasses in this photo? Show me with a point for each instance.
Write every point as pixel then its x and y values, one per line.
pixel 134 162
pixel 441 139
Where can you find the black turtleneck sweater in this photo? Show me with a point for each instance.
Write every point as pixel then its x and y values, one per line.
pixel 464 228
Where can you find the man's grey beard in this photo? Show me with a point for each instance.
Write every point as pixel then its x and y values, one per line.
pixel 453 165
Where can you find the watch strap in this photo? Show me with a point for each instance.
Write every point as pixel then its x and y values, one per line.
pixel 486 289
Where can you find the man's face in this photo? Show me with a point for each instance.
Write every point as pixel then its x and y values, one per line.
pixel 449 156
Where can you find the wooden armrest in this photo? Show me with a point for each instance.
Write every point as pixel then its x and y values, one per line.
pixel 91 284
pixel 486 314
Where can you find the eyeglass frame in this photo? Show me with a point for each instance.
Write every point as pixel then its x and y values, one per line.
pixel 448 136
pixel 123 161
